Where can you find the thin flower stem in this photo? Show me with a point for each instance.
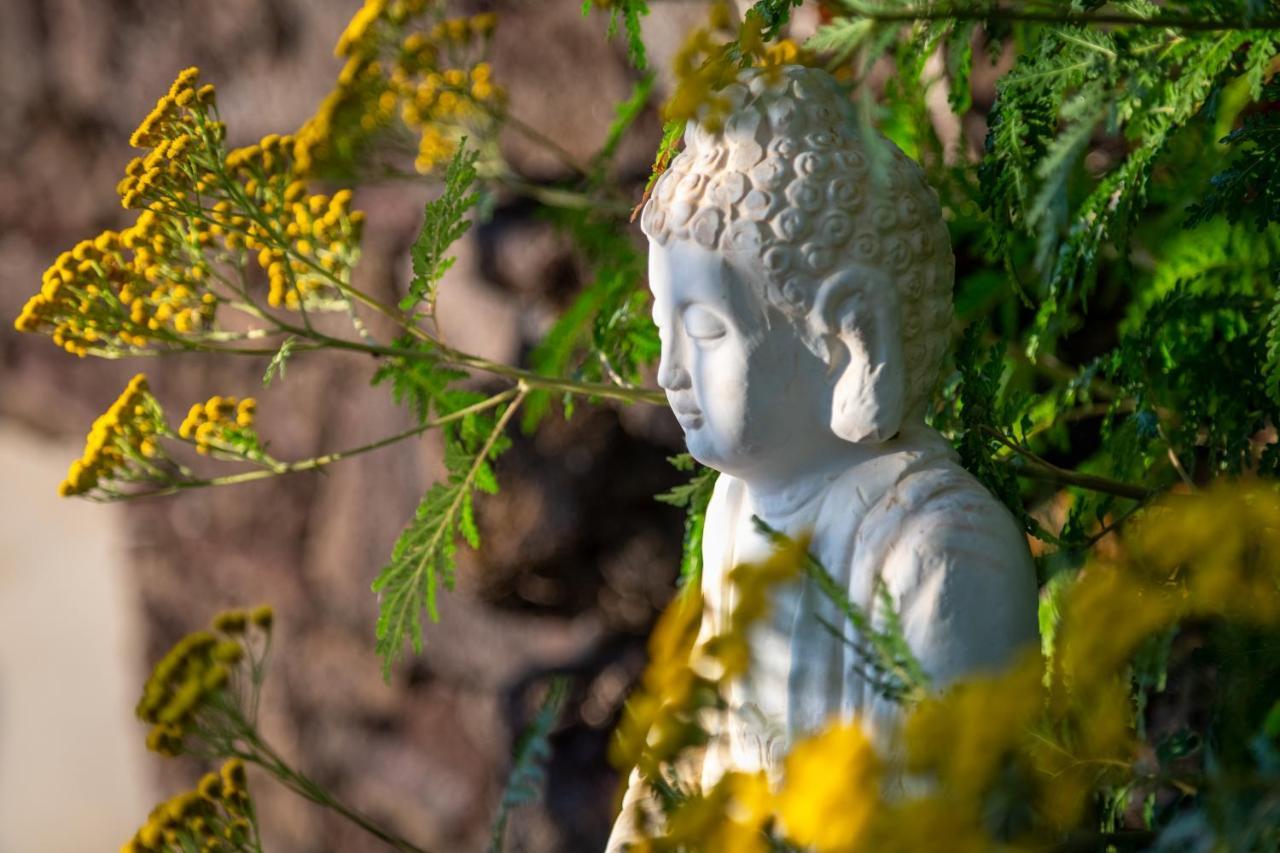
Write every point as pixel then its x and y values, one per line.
pixel 318 462
pixel 264 756
pixel 457 358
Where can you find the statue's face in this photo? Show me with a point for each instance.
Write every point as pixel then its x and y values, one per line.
pixel 749 395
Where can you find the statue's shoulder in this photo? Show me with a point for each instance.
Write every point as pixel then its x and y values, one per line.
pixel 932 506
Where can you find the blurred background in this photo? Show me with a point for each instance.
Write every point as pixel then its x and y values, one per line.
pixel 578 556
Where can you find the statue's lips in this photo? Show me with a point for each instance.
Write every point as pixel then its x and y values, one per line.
pixel 688 418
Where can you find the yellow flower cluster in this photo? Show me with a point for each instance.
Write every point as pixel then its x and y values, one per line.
pixel 730 816
pixel 217 422
pixel 306 244
pixel 728 653
pixel 193 676
pixel 710 59
pixel 1218 553
pixel 121 438
pixel 830 789
pixel 216 817
pixel 124 289
pixel 160 281
pixel 656 724
pixel 995 750
pixel 828 801
pixel 178 130
pixel 435 79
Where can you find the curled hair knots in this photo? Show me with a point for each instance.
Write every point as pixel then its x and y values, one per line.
pixel 790 180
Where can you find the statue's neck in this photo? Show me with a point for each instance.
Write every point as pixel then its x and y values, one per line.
pixel 778 499
pixel 781 498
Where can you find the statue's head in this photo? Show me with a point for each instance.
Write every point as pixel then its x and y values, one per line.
pixel 801 299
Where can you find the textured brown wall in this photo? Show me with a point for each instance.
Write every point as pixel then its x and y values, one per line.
pixel 578 556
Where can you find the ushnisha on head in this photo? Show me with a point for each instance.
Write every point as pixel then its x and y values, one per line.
pixel 859 265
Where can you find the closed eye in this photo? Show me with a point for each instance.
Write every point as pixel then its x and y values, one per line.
pixel 703 325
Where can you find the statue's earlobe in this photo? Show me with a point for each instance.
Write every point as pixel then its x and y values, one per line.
pixel 857 313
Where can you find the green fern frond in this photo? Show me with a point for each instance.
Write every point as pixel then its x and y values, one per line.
pixel 423 558
pixel 444 223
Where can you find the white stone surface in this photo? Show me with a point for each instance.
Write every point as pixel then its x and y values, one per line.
pixel 72 772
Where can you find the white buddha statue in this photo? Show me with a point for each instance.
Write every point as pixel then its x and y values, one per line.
pixel 804 306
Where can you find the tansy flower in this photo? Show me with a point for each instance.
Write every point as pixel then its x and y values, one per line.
pixel 209 818
pixel 436 81
pixel 190 679
pixel 222 423
pixel 120 443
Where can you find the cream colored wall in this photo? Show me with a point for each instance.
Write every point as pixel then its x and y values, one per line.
pixel 72 764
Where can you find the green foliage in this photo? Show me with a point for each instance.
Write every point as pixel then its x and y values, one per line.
pixel 276 367
pixel 1249 188
pixel 444 222
pixel 625 115
pixel 629 12
pixel 668 147
pixel 775 14
pixel 1171 362
pixel 984 423
pixel 424 555
pixel 693 497
pixel 606 334
pixel 528 765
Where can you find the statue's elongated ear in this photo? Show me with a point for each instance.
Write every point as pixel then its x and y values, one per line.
pixel 857 314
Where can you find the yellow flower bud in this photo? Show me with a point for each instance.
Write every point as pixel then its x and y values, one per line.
pixel 233 775
pixel 215 679
pixel 230 621
pixel 210 786
pixel 228 651
pixel 262 616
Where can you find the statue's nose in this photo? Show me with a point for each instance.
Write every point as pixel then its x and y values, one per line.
pixel 672 375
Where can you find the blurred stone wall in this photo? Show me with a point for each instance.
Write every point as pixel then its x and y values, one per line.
pixel 578 556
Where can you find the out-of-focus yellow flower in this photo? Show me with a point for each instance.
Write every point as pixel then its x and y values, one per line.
pixel 681 682
pixel 1106 615
pixel 830 789
pixel 191 675
pixel 654 725
pixel 356 37
pixel 1220 550
pixel 727 655
pixel 731 816
pixel 927 823
pixel 965 736
pixel 711 58
pixel 435 79
pixel 210 818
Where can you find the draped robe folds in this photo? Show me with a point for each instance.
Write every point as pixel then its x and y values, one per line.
pixel 954 563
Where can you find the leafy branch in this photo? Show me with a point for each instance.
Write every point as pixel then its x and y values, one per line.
pixel 444 223
pixel 1009 13
pixel 423 556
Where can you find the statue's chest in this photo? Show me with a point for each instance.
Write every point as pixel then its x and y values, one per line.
pixel 786 639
